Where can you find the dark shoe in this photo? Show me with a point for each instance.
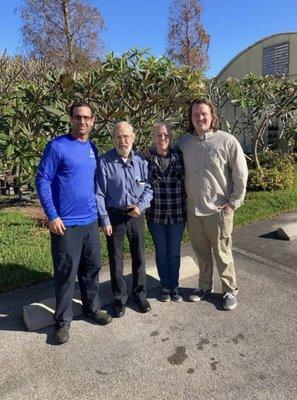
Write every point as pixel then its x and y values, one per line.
pixel 100 317
pixel 199 294
pixel 119 310
pixel 175 295
pixel 62 334
pixel 165 295
pixel 143 305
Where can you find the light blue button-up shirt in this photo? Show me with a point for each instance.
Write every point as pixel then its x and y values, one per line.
pixel 121 184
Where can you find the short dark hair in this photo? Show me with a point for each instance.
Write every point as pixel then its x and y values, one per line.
pixel 79 104
pixel 214 121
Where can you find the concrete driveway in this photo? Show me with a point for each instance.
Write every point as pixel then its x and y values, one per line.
pixel 191 351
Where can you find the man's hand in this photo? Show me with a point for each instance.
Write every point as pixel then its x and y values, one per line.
pixel 107 230
pixel 135 211
pixel 56 226
pixel 229 208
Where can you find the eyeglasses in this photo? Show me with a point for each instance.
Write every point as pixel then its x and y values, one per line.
pixel 86 118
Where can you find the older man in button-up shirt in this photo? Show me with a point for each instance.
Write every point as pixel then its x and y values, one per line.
pixel 123 195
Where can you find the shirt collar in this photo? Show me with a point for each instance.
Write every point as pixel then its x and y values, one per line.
pixel 204 137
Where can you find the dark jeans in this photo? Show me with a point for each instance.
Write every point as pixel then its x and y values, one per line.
pixel 123 225
pixel 167 241
pixel 77 252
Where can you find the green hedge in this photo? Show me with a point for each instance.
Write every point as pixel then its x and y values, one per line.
pixel 136 87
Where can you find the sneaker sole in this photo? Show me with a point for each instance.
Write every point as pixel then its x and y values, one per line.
pixel 165 300
pixel 177 300
pixel 230 307
pixel 196 299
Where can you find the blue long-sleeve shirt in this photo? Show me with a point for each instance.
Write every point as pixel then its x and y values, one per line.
pixel 121 184
pixel 65 180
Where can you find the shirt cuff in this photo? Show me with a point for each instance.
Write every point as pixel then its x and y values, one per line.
pixel 52 216
pixel 104 220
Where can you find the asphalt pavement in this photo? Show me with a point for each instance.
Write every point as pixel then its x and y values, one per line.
pixel 191 351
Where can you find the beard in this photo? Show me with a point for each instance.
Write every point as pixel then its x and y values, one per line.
pixel 124 152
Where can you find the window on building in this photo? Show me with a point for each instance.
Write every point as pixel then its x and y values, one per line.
pixel 276 59
pixel 272 136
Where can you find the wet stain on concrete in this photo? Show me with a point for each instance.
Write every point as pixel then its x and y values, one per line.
pixel 165 339
pixel 214 364
pixel 190 370
pixel 179 356
pixel 99 372
pixel 201 343
pixel 236 338
pixel 154 333
pixel 175 328
pixel 215 345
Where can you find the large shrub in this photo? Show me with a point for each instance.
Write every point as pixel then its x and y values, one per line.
pixel 135 87
pixel 277 172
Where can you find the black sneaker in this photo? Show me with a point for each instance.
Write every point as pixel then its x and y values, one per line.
pixel 165 295
pixel 62 334
pixel 199 294
pixel 175 295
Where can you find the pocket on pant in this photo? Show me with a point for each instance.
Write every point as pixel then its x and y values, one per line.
pixel 226 223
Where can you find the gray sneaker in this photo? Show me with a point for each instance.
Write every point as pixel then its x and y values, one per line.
pixel 199 294
pixel 175 295
pixel 229 301
pixel 165 295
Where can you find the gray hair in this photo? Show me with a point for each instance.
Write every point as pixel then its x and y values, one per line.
pixel 159 124
pixel 123 124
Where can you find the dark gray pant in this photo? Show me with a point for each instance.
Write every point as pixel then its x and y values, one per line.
pixel 77 252
pixel 123 225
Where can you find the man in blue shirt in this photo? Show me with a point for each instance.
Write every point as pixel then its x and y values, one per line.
pixel 65 183
pixel 123 195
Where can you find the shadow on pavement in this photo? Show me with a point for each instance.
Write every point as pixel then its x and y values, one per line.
pixel 40 295
pixel 271 235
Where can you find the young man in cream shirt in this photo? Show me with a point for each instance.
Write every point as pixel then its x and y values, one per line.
pixel 215 180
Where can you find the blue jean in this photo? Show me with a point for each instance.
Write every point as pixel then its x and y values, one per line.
pixel 167 241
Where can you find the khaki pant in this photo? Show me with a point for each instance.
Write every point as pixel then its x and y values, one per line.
pixel 211 238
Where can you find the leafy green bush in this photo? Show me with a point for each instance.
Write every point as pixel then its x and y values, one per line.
pixel 277 172
pixel 136 87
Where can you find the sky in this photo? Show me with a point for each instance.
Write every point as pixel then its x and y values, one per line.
pixel 233 25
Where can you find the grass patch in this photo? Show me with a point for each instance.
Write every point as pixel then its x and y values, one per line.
pixel 25 256
pixel 262 205
pixel 24 251
pixel 25 247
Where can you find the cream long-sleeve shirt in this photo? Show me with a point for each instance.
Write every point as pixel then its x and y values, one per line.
pixel 215 171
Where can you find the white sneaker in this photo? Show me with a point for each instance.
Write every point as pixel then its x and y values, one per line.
pixel 198 294
pixel 229 301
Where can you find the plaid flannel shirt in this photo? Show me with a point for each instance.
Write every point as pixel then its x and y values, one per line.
pixel 169 199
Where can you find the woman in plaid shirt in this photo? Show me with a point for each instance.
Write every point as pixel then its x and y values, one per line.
pixel 166 217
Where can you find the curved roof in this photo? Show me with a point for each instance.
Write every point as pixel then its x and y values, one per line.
pixel 249 47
